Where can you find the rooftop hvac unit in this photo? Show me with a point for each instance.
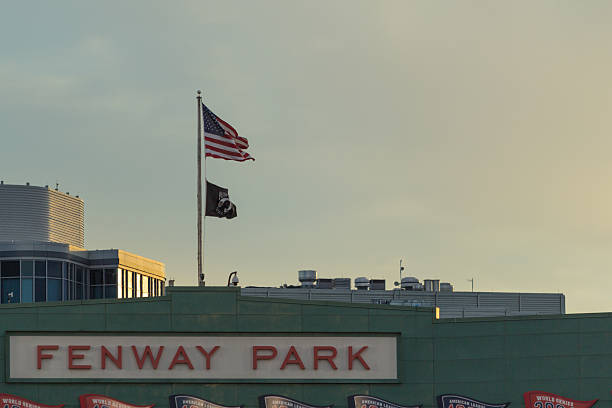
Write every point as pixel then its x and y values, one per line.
pixel 307 278
pixel 342 283
pixel 446 287
pixel 362 283
pixel 324 283
pixel 411 283
pixel 432 285
pixel 377 284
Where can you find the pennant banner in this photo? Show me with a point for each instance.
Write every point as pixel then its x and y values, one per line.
pixel 278 401
pixel 189 401
pixel 541 399
pixel 367 401
pixel 13 401
pixel 102 401
pixel 459 401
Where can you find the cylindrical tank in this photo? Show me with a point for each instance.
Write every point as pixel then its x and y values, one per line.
pixel 432 285
pixel 436 285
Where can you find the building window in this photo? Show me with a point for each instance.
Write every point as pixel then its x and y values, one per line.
pixel 130 285
pixel 54 282
pixel 40 281
pixel 145 286
pixel 110 283
pixel 139 286
pixel 120 284
pixel 125 283
pixel 9 271
pixel 27 281
pixel 78 287
pixel 96 284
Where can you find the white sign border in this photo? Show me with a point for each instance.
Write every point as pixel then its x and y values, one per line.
pixel 9 379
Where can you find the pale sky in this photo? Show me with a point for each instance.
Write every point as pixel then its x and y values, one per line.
pixel 469 138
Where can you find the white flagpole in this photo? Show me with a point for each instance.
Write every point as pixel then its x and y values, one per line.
pixel 199 205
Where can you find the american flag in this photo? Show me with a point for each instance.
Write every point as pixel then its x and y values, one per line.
pixel 221 140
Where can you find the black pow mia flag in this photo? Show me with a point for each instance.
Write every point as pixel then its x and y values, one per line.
pixel 459 401
pixel 190 401
pixel 279 401
pixel 367 401
pixel 218 203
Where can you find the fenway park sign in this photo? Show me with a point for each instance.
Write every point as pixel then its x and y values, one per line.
pixel 202 358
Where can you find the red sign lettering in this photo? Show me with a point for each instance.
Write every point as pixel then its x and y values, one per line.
pixel 180 357
pixel 207 355
pixel 357 356
pixel 148 354
pixel 41 356
pixel 105 353
pixel 292 358
pixel 257 356
pixel 328 358
pixel 72 356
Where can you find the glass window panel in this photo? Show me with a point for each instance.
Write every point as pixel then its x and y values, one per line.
pixel 26 290
pixel 110 291
pixel 40 289
pixel 79 274
pixel 78 294
pixel 96 292
pixel 119 284
pixel 27 268
pixel 10 290
pixel 54 269
pixel 65 289
pixel 54 290
pixel 138 285
pixel 10 269
pixel 41 269
pixel 96 277
pixel 129 284
pixel 145 286
pixel 110 276
pixel 71 274
pixel 125 283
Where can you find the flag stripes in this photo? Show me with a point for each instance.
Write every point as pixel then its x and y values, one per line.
pixel 221 140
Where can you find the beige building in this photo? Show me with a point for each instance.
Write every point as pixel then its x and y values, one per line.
pixel 42 256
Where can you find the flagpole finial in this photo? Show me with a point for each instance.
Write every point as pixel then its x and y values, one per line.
pixel 199 92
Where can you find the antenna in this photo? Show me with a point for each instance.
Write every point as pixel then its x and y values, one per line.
pixel 56 185
pixel 471 280
pixel 401 268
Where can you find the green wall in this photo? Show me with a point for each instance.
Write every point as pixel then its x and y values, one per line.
pixel 495 360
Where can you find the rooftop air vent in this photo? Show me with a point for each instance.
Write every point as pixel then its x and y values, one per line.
pixel 411 283
pixel 362 283
pixel 307 278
